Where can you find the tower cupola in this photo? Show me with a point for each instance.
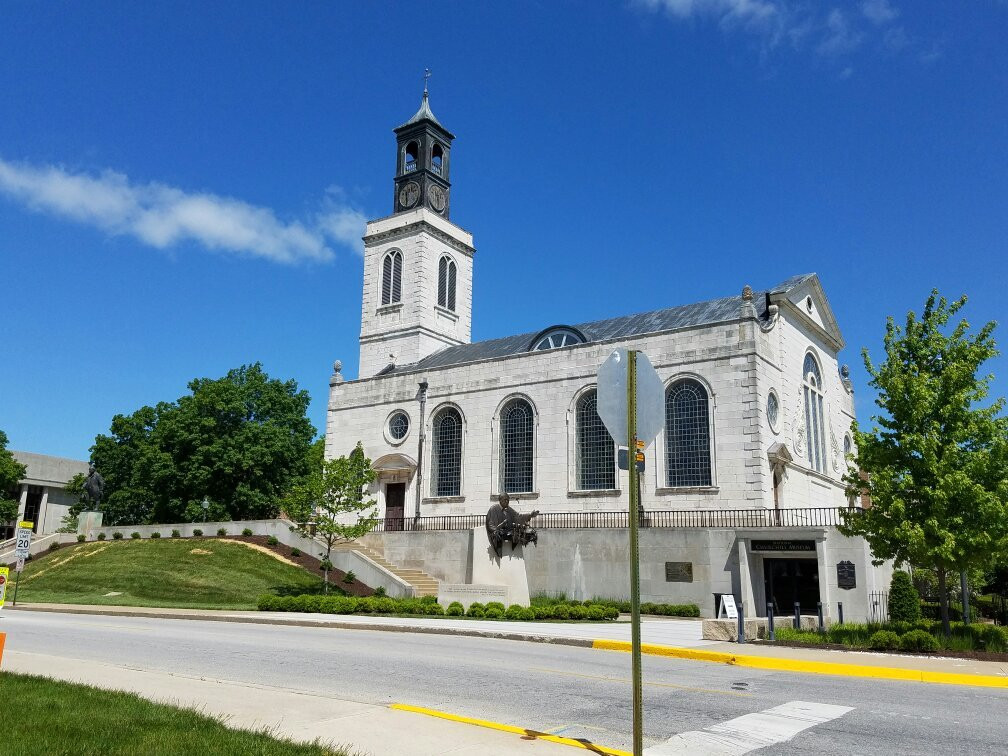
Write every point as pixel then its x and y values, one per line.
pixel 423 163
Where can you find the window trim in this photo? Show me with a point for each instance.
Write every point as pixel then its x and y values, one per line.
pixel 775 425
pixel 497 459
pixel 816 422
pixel 392 440
pixel 390 254
pixel 449 302
pixel 661 452
pixel 573 477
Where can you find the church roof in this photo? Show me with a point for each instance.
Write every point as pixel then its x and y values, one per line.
pixel 423 114
pixel 623 327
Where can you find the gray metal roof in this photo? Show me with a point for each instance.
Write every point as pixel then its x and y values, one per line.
pixel 623 327
pixel 423 114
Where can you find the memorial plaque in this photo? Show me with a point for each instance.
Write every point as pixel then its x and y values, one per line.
pixel 846 575
pixel 678 572
pixel 782 545
pixel 468 593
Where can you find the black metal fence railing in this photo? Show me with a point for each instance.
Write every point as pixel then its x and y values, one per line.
pixel 658 518
pixel 878 606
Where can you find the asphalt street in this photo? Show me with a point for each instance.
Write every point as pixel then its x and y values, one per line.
pixel 576 692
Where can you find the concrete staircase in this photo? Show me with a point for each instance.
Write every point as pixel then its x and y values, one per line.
pixel 423 584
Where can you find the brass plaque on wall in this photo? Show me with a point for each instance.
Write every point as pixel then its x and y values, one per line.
pixel 678 572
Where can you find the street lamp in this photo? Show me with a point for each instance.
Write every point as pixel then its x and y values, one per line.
pixel 206 506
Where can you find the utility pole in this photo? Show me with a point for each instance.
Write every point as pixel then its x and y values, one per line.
pixel 634 480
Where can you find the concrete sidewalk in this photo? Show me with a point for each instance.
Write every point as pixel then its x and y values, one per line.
pixel 361 728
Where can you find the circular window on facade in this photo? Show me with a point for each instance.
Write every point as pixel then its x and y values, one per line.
pixel 398 426
pixel 773 410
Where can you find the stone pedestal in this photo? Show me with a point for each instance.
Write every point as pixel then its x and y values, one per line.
pixel 88 523
pixel 507 570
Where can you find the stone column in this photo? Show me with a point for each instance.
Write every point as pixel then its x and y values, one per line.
pixel 23 503
pixel 745 580
pixel 825 594
pixel 43 506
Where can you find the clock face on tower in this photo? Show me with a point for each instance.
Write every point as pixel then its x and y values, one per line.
pixel 409 194
pixel 436 197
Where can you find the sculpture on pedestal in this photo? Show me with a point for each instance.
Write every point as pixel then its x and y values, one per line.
pixel 94 489
pixel 503 523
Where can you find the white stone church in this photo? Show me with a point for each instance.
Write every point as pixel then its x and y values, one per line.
pixel 740 490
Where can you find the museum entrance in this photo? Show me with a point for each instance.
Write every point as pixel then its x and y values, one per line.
pixel 395 505
pixel 787 581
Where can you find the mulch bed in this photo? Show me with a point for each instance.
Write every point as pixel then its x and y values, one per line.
pixel 308 562
pixel 977 655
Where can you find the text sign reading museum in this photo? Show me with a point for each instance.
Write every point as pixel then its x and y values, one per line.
pixel 783 545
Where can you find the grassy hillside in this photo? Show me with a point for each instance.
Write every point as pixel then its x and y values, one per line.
pixel 193 573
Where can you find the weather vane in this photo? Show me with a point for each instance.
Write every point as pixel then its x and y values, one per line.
pixel 426 76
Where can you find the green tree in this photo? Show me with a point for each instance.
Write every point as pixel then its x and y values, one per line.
pixel 904 601
pixel 331 503
pixel 937 461
pixel 240 441
pixel 11 472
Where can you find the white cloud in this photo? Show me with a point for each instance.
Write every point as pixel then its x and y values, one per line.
pixel 162 216
pixel 840 36
pixel 879 12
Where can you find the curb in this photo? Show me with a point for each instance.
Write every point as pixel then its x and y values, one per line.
pixel 337 625
pixel 810 667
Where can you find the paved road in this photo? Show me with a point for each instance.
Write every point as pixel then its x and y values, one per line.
pixel 572 691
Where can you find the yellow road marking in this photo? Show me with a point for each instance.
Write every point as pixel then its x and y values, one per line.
pixel 811 667
pixel 627 681
pixel 586 745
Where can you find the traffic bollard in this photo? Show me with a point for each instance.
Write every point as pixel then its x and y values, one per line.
pixel 741 624
pixel 839 607
pixel 819 608
pixel 797 616
pixel 770 628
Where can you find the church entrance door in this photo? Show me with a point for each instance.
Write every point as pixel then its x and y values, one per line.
pixel 395 504
pixel 789 581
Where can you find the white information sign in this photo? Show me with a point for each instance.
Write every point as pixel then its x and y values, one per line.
pixel 23 539
pixel 728 608
pixel 19 565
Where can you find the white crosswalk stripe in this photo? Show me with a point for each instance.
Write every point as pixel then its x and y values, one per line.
pixel 752 731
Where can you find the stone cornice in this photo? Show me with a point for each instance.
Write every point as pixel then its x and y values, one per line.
pixel 420 226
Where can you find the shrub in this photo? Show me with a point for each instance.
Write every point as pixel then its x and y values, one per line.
pixel 81 538
pixel 561 611
pixel 431 600
pixel 176 533
pixel 295 552
pixel 378 592
pixel 578 612
pixel 932 610
pixel 53 546
pixel 222 531
pixel 384 605
pixel 904 601
pixel 349 577
pixel 884 640
pixel 596 612
pixel 496 605
pixel 918 640
pixel 155 534
pixel 455 609
pixel 474 607
pixel 197 532
pixel 514 611
pixel 435 609
pixel 272 540
pixel 247 532
pixel 134 535
pixel 493 612
pixel 526 614
pixel 117 536
pixel 101 536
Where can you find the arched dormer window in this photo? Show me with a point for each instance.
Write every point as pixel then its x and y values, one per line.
pixel 687 435
pixel 446 453
pixel 391 287
pixel 410 155
pixel 517 446
pixel 437 159
pixel 594 450
pixel 555 337
pixel 446 283
pixel 815 425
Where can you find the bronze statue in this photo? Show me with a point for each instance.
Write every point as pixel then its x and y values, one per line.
pixel 94 488
pixel 505 524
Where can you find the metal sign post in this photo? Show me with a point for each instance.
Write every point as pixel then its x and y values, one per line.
pixel 631 404
pixel 635 650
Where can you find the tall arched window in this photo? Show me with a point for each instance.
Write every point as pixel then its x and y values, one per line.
pixel 446 283
pixel 391 287
pixel 446 453
pixel 594 449
pixel 517 447
pixel 687 434
pixel 815 426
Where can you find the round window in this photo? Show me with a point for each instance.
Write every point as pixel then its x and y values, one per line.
pixel 773 410
pixel 398 426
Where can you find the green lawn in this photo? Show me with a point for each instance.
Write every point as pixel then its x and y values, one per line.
pixel 160 572
pixel 51 717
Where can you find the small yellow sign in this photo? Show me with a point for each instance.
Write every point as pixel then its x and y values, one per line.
pixel 26 524
pixel 4 574
pixel 640 444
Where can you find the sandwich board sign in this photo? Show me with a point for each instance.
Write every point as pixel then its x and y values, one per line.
pixel 23 538
pixel 728 608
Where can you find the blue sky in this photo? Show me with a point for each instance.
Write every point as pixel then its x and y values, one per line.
pixel 183 185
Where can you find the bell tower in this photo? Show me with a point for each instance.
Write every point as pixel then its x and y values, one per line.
pixel 417 295
pixel 423 162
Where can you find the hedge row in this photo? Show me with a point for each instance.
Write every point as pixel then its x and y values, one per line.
pixel 907 636
pixel 429 606
pixel 648 607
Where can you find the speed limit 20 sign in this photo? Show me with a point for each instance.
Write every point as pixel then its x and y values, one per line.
pixel 23 539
